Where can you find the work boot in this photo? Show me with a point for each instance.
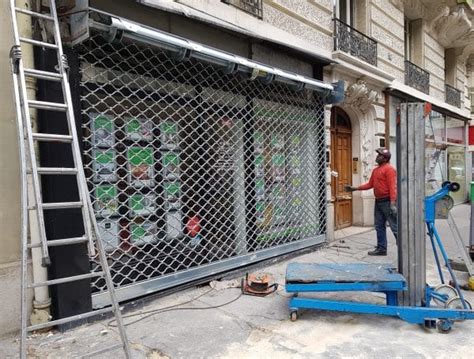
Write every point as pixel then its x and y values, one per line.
pixel 378 252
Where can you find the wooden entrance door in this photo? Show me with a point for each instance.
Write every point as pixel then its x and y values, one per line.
pixel 341 163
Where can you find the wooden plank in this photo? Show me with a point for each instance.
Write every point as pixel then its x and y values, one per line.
pixel 341 273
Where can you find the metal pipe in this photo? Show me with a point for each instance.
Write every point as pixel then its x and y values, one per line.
pixel 471 233
pixel 435 251
pixel 42 300
pixel 24 211
pixel 205 53
pixel 448 266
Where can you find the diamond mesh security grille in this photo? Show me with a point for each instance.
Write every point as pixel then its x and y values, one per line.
pixel 188 166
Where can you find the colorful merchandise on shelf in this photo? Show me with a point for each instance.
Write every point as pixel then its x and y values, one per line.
pixel 102 128
pixel 141 166
pixel 278 167
pixel 170 165
pixel 172 195
pixel 106 200
pixel 109 230
pixel 169 135
pixel 142 204
pixel 278 142
pixel 104 165
pixel 260 188
pixel 139 129
pixel 143 233
pixel 258 142
pixel 259 165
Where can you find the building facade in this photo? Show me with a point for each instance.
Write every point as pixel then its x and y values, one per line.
pixel 163 131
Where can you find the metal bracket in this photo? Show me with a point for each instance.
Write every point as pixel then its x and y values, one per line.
pixel 181 55
pixel 267 80
pixel 114 34
pixel 15 56
pixel 263 76
pixel 65 63
pixel 298 87
pixel 230 69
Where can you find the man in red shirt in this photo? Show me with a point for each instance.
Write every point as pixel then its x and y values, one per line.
pixel 384 182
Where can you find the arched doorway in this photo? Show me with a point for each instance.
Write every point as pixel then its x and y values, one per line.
pixel 341 164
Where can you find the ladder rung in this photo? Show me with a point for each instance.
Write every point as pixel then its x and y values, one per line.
pixel 70 319
pixel 34 13
pixel 39 43
pixel 56 171
pixel 44 105
pixel 60 242
pixel 44 75
pixel 51 137
pixel 62 205
pixel 73 278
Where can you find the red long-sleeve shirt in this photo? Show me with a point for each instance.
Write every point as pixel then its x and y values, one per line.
pixel 384 182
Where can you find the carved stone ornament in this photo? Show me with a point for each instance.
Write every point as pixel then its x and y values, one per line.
pixel 415 8
pixel 412 6
pixel 454 29
pixel 359 96
pixel 366 146
pixel 466 53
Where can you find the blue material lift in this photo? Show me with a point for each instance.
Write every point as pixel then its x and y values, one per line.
pixel 382 278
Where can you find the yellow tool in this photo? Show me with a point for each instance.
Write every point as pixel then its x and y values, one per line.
pixel 470 283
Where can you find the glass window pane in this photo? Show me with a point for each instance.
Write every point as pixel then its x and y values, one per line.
pixel 394 106
pixel 435 167
pixel 455 130
pixel 434 128
pixel 457 171
pixel 343 11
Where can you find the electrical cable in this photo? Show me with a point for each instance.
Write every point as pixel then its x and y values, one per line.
pixel 170 308
pixel 290 295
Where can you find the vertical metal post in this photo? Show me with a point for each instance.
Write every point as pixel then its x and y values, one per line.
pixel 411 226
pixel 402 199
pixel 24 215
pixel 421 118
pixel 471 236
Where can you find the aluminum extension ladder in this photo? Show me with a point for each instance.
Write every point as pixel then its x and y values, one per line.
pixel 28 139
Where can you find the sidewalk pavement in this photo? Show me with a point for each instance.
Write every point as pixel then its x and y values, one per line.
pixel 255 327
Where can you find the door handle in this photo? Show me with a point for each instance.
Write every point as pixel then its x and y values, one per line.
pixel 343 197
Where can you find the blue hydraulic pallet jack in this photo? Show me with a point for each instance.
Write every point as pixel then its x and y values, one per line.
pixel 451 305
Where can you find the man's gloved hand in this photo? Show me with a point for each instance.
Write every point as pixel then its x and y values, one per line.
pixel 393 209
pixel 348 188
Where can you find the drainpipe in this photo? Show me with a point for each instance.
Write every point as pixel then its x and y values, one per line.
pixel 42 300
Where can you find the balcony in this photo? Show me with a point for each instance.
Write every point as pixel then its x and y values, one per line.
pixel 355 43
pixel 453 96
pixel 416 77
pixel 252 7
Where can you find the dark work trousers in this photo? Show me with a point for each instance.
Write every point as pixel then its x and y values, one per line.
pixel 381 216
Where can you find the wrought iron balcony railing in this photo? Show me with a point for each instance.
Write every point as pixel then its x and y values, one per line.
pixel 355 43
pixel 453 95
pixel 416 77
pixel 252 7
